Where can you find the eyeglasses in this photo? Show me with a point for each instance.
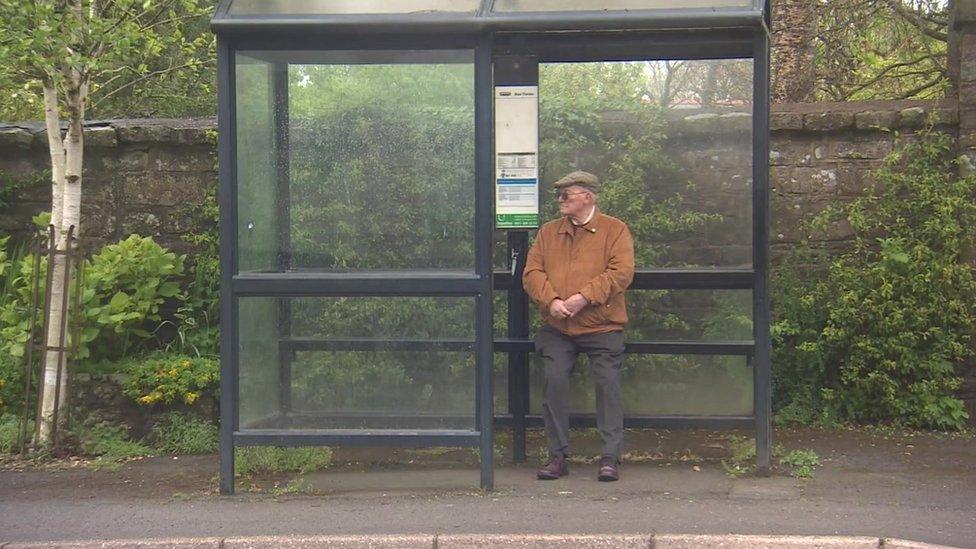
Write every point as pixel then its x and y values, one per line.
pixel 564 195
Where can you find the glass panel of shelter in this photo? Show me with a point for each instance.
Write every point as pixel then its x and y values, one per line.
pixel 672 141
pixel 352 162
pixel 666 156
pixel 380 162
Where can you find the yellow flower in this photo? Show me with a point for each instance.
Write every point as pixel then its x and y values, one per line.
pixel 191 397
pixel 186 363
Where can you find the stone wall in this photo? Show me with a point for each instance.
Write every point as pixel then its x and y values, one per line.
pixel 140 176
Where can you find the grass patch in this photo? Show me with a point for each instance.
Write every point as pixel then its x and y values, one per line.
pixel 272 459
pixel 178 434
pixel 801 462
pixel 110 444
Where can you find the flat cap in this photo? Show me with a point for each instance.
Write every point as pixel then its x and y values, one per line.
pixel 580 178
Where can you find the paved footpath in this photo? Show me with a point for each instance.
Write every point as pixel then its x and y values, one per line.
pixel 921 489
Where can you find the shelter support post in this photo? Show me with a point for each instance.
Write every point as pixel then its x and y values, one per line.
pixel 762 377
pixel 518 328
pixel 226 125
pixel 484 354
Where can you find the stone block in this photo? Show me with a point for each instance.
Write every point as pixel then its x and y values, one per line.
pixel 779 178
pixel 183 159
pixel 194 136
pixel 792 152
pixel 944 116
pixel 967 141
pixel 876 120
pixel 786 218
pixel 967 94
pixel 15 139
pixel 912 117
pixel 735 122
pixel 98 185
pixel 147 133
pixel 100 136
pixel 965 12
pixel 813 180
pixel 700 124
pixel 171 543
pixel 332 542
pixel 543 541
pixel 146 223
pixel 862 150
pixel 163 189
pixel 855 180
pixel 967 120
pixel 828 121
pixel 133 160
pixel 694 541
pixel 98 219
pixel 785 121
pixel 840 230
pixel 890 543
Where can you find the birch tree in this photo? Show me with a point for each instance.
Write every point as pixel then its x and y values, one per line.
pixel 68 51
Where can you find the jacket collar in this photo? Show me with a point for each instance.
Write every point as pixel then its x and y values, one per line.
pixel 567 226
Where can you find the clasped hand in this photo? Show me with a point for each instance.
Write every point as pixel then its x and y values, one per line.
pixel 568 308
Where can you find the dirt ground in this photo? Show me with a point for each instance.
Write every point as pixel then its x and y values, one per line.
pixel 864 450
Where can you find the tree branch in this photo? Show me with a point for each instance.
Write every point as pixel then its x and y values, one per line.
pixel 145 77
pixel 878 77
pixel 917 21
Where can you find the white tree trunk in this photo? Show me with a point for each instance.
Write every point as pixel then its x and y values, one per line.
pixel 66 158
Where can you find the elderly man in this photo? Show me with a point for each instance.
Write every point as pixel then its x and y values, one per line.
pixel 577 271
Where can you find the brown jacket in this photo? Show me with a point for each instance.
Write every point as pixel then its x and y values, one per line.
pixel 595 260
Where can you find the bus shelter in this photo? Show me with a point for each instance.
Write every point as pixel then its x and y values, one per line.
pixel 383 165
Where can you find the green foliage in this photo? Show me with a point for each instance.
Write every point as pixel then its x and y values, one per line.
pixel 10 431
pixel 169 378
pixel 876 333
pixel 176 433
pixel 272 459
pixel 742 460
pixel 801 462
pixel 881 49
pixel 142 58
pixel 110 443
pixel 126 283
pixel 198 318
pixel 15 286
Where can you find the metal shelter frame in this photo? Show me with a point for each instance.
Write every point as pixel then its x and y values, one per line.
pixel 566 36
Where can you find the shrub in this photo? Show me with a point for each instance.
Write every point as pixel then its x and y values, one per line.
pixel 178 434
pixel 9 431
pixel 168 378
pixel 125 284
pixel 875 334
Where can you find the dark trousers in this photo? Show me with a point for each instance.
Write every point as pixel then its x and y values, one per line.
pixel 559 353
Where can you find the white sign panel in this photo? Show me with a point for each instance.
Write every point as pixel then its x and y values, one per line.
pixel 516 157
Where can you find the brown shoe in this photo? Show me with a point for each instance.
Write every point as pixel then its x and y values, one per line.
pixel 553 470
pixel 608 469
